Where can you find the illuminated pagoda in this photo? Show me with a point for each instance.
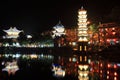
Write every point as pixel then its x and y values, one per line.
pixel 59 30
pixel 82 29
pixel 57 33
pixel 12 32
pixel 83 67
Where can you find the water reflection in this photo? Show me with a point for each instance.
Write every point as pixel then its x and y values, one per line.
pixel 10 67
pixel 58 70
pixel 28 66
pixel 25 66
pixel 28 56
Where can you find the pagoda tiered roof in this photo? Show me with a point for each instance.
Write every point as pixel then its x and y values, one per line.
pixel 12 32
pixel 12 29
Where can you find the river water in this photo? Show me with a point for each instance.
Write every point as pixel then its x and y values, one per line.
pixel 29 67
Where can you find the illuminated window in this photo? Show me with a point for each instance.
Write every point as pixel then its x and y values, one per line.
pixel 107 72
pixel 107 77
pixel 108 65
pixel 115 78
pixel 85 58
pixel 115 73
pixel 115 66
pixel 80 48
pixel 85 48
pixel 101 65
pixel 80 58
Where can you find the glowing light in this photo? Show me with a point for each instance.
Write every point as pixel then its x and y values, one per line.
pixel 107 72
pixel 12 32
pixel 85 50
pixel 108 40
pixel 82 26
pixel 107 77
pixel 113 33
pixel 33 56
pixel 100 71
pixel 81 67
pixel 70 59
pixel 29 36
pixel 80 48
pixel 11 67
pixel 118 64
pixel 115 78
pixel 101 65
pixel 85 67
pixel 115 66
pixel 113 28
pixel 58 30
pixel 58 71
pixel 108 65
pixel 82 37
pixel 115 73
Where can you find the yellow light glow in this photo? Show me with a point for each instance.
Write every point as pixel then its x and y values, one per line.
pixel 12 32
pixel 82 25
pixel 85 67
pixel 115 78
pixel 80 67
pixel 80 58
pixel 80 48
pixel 33 56
pixel 82 37
pixel 85 57
pixel 107 72
pixel 115 73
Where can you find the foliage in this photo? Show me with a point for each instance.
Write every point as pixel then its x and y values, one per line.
pixel 93 27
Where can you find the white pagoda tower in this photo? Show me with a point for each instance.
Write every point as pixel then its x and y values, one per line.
pixel 83 67
pixel 59 30
pixel 57 33
pixel 82 30
pixel 12 32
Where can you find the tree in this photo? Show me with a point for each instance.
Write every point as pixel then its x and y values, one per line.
pixel 93 28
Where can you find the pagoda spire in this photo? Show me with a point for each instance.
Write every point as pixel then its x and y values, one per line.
pixel 82 8
pixel 59 22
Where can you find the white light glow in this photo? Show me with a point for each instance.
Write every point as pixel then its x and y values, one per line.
pixel 11 67
pixel 82 25
pixel 12 32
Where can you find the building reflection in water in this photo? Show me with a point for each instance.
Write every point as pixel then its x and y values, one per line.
pixel 10 67
pixel 99 68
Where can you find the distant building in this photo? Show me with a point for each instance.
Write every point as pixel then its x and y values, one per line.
pixel 109 33
pixel 12 32
pixel 59 30
pixel 57 34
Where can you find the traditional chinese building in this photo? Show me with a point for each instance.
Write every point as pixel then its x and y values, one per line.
pixel 109 33
pixel 58 33
pixel 83 66
pixel 12 32
pixel 59 30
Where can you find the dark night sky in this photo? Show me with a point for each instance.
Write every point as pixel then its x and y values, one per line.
pixel 36 16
